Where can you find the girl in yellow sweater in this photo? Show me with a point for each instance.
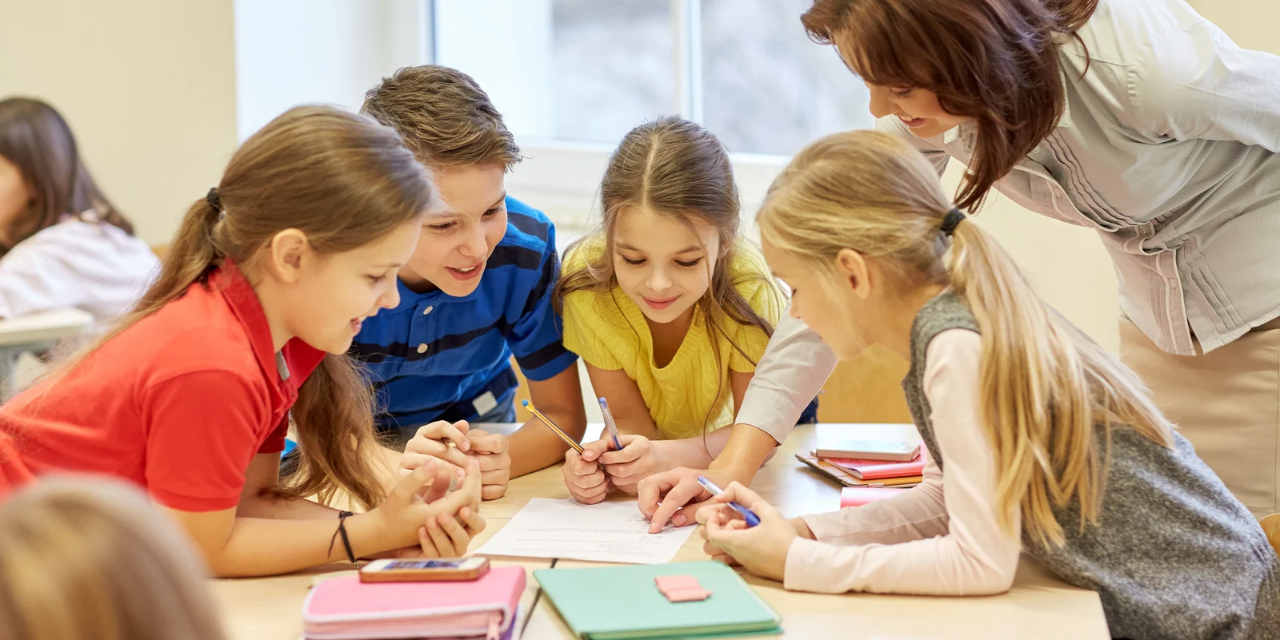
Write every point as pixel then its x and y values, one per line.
pixel 667 306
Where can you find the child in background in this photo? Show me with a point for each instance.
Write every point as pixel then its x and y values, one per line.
pixel 63 243
pixel 1039 440
pixel 667 306
pixel 190 396
pixel 92 560
pixel 477 290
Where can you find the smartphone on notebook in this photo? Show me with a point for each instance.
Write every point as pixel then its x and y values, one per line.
pixel 871 450
pixel 424 569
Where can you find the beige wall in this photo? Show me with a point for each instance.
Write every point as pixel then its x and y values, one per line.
pixel 147 85
pixel 1250 23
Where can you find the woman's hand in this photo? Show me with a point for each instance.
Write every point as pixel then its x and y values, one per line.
pixel 675 495
pixel 761 549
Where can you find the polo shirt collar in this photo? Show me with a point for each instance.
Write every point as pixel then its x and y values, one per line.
pixel 295 362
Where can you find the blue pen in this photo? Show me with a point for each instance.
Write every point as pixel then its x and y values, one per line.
pixel 747 514
pixel 608 422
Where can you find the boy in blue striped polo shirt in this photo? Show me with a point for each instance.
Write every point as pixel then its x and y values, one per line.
pixel 476 291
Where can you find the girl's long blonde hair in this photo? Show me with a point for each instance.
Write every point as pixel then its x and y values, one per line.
pixel 677 169
pixel 85 559
pixel 1045 387
pixel 342 179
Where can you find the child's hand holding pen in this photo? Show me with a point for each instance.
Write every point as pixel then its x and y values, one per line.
pixel 584 475
pixel 629 460
pixel 637 460
pixel 590 474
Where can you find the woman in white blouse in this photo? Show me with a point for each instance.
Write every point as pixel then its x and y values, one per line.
pixel 1137 118
pixel 62 243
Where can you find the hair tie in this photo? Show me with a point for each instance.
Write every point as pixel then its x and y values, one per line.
pixel 952 220
pixel 213 199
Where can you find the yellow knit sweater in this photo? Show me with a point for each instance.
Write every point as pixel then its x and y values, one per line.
pixel 609 332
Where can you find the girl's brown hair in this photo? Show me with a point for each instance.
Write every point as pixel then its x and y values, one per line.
pixel 995 61
pixel 93 560
pixel 1045 387
pixel 679 170
pixel 343 180
pixel 36 139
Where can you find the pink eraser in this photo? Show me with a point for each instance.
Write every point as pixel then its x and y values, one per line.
pixel 687 595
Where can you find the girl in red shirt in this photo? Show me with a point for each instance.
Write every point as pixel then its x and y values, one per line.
pixel 248 323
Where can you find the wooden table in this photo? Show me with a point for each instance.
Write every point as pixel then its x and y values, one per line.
pixel 1038 606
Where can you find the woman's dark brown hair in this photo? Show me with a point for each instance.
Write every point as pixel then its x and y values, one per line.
pixel 345 181
pixel 679 170
pixel 36 139
pixel 994 61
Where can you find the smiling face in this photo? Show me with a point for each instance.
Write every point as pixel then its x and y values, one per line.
pixel 661 264
pixel 918 109
pixel 331 295
pixel 459 235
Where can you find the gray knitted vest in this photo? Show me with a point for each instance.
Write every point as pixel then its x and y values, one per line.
pixel 1173 554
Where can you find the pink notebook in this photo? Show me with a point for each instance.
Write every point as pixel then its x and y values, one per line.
pixel 858 496
pixel 347 609
pixel 879 469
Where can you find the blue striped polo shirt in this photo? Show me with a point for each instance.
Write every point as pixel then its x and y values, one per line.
pixel 434 355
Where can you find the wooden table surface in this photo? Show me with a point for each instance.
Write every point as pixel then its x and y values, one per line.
pixel 1038 606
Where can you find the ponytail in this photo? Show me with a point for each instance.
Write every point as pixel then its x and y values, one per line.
pixel 344 181
pixel 1044 385
pixel 1045 388
pixel 192 255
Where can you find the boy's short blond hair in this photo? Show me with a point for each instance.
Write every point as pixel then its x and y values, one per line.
pixel 445 118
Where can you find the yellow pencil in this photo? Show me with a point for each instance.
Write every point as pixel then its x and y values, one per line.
pixel 547 421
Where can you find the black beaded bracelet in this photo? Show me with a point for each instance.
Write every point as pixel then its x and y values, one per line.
pixel 342 530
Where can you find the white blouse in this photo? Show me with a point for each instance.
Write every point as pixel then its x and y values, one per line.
pixel 92 266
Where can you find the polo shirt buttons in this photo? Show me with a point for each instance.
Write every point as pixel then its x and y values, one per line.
pixel 422 348
pixel 428 310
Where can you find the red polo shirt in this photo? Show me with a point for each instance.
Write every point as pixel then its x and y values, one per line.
pixel 178 403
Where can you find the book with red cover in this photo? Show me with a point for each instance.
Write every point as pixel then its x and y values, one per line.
pixel 879 469
pixel 858 496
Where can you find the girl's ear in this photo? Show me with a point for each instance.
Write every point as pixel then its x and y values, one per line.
pixel 853 270
pixel 287 254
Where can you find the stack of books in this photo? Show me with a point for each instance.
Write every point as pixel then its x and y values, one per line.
pixel 864 480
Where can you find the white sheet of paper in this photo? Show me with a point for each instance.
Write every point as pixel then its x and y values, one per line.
pixel 605 532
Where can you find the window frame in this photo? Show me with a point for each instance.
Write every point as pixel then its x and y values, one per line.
pixel 561 177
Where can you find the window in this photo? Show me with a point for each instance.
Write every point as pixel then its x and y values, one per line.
pixel 588 71
pixel 572 76
pixel 767 88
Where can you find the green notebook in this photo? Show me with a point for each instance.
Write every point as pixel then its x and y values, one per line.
pixel 621 603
